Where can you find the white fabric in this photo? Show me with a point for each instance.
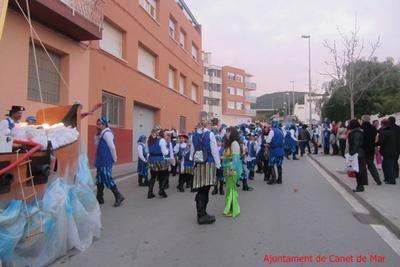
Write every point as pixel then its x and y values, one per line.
pixel 4 130
pixel 352 162
pixel 213 145
pixel 164 149
pixel 141 153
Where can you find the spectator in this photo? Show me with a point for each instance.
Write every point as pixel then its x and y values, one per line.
pixel 378 155
pixel 396 130
pixel 355 139
pixel 389 151
pixel 370 133
pixel 342 137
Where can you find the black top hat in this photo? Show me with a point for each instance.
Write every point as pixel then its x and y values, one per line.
pixel 15 109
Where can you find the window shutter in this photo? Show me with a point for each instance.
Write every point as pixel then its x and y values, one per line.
pixel 112 40
pixel 147 63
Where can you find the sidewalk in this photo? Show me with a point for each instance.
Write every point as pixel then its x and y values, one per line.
pixel 382 201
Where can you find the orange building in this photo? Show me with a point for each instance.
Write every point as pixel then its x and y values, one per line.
pixel 236 98
pixel 146 69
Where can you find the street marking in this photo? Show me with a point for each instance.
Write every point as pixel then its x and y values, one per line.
pixel 381 230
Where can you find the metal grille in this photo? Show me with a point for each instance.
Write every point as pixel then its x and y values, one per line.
pixel 113 109
pixel 92 10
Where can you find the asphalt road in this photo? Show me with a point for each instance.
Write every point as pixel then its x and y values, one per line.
pixel 305 216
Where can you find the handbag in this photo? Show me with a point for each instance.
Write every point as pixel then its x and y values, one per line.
pixel 200 153
pixel 352 163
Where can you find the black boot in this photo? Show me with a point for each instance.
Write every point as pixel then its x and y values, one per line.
pixel 273 176
pixel 267 174
pixel 279 181
pixel 180 183
pixel 118 197
pixel 215 190
pixel 202 216
pixel 163 183
pixel 146 182
pixel 221 188
pixel 99 195
pixel 245 186
pixel 140 181
pixel 251 175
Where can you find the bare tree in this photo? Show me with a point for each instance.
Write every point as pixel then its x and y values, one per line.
pixel 345 54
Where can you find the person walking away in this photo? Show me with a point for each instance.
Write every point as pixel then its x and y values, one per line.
pixel 396 130
pixel 378 155
pixel 387 142
pixel 106 156
pixel 356 137
pixel 232 171
pixel 157 162
pixel 204 153
pixel 304 140
pixel 342 137
pixel 251 150
pixel 291 142
pixel 220 171
pixel 275 141
pixel 369 146
pixel 142 169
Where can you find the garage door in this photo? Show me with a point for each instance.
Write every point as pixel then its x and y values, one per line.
pixel 143 122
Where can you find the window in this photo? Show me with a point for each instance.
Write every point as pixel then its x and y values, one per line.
pixel 171 78
pixel 147 62
pixel 49 79
pixel 231 76
pixel 113 108
pixel 247 106
pixel 182 39
pixel 182 84
pixel 112 40
pixel 205 71
pixel 211 101
pixel 195 52
pixel 182 123
pixel 194 92
pixel 231 105
pixel 239 78
pixel 239 105
pixel 214 73
pixel 239 91
pixel 231 90
pixel 150 6
pixel 172 28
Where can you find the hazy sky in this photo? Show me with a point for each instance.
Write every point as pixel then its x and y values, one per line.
pixel 263 36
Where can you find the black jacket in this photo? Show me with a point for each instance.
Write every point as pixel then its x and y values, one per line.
pixel 396 130
pixel 370 133
pixel 356 141
pixel 388 143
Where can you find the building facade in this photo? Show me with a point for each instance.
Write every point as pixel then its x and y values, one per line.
pixel 302 111
pixel 141 59
pixel 147 70
pixel 212 78
pixel 227 93
pixel 59 40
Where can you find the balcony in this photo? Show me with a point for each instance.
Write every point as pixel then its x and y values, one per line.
pixel 251 86
pixel 250 112
pixel 250 99
pixel 78 19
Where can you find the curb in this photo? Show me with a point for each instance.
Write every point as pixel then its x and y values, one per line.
pixel 383 218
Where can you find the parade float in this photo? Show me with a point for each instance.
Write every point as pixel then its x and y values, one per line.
pixel 47 204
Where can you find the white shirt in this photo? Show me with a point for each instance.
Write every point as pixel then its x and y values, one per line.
pixel 4 130
pixel 271 135
pixel 141 152
pixel 109 138
pixel 164 148
pixel 213 146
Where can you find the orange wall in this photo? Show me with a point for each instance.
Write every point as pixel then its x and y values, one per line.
pixel 122 78
pixel 14 59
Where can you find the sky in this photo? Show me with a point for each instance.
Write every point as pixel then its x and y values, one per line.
pixel 264 36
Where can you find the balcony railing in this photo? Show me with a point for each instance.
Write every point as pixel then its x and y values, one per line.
pixel 92 10
pixel 250 112
pixel 251 86
pixel 251 99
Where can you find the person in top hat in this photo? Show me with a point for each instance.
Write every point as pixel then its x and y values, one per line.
pixel 14 116
pixel 106 156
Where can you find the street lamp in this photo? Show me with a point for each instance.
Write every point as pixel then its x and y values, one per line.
pixel 309 70
pixel 288 94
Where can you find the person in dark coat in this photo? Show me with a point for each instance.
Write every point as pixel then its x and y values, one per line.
pixel 356 141
pixel 396 130
pixel 387 142
pixel 369 144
